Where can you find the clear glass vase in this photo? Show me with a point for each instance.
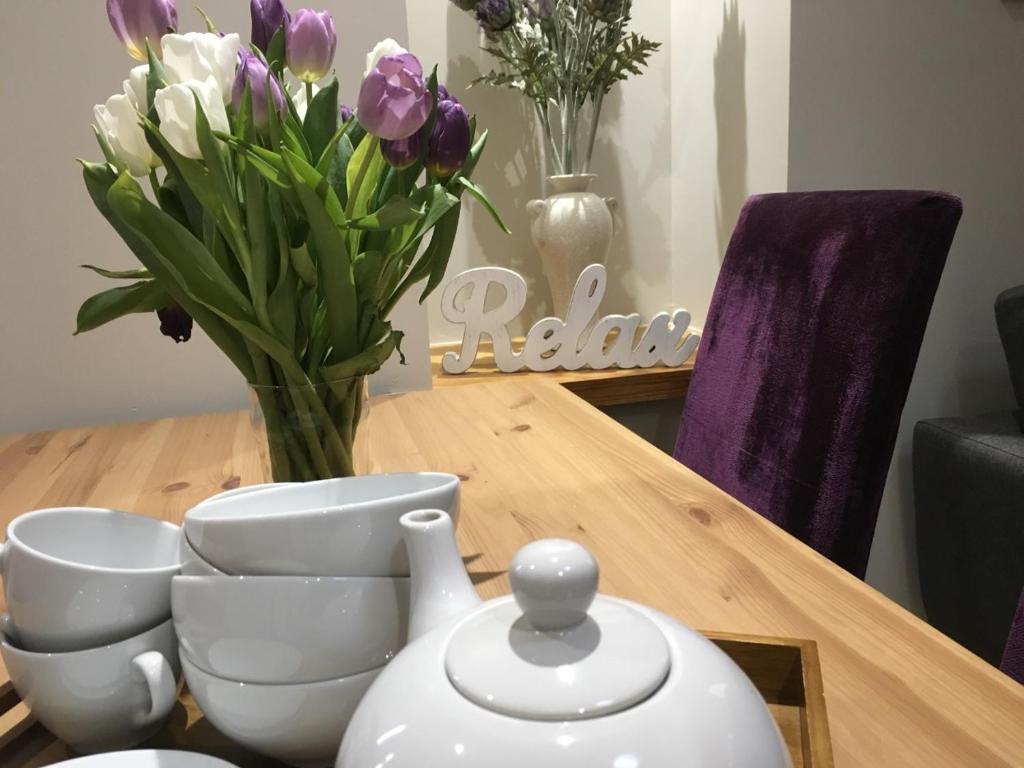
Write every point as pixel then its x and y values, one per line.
pixel 309 432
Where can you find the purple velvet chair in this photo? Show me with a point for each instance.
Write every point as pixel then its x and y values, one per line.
pixel 807 355
pixel 1013 656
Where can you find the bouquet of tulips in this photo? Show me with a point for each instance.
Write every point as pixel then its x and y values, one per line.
pixel 283 224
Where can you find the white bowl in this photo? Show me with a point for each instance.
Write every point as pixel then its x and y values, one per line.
pixel 192 563
pixel 342 527
pixel 145 758
pixel 77 577
pixel 300 724
pixel 289 629
pixel 106 698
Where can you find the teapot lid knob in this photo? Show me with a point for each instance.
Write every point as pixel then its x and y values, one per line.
pixel 554 582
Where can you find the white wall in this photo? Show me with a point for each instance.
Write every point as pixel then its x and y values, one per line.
pixel 62 59
pixel 929 94
pixel 730 123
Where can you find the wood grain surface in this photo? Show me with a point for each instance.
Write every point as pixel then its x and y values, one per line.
pixel 613 386
pixel 538 461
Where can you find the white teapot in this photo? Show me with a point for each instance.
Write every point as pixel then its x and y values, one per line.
pixel 556 675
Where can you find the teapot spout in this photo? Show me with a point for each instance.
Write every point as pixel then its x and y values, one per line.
pixel 440 588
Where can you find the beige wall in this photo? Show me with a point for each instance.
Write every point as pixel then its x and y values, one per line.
pixel 923 93
pixel 730 123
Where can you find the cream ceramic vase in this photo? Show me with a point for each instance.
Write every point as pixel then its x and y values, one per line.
pixel 572 229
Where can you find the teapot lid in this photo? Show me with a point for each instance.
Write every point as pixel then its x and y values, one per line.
pixel 556 653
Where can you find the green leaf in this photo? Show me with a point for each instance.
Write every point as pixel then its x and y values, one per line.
pixel 335 279
pixel 363 364
pixel 123 274
pixel 177 199
pixel 267 162
pixel 479 194
pixel 367 268
pixel 366 154
pixel 321 121
pixel 99 179
pixel 304 174
pixel 275 51
pixel 337 175
pixel 303 264
pixel 108 153
pixel 196 270
pixel 396 212
pixel 439 251
pixel 155 80
pixel 146 296
pixel 223 181
pixel 474 152
pixel 281 306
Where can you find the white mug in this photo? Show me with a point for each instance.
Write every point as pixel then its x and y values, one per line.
pixel 77 577
pixel 106 698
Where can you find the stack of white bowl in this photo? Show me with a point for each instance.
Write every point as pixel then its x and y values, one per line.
pixel 88 640
pixel 292 599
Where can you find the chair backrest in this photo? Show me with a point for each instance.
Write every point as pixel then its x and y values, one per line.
pixel 1013 656
pixel 807 355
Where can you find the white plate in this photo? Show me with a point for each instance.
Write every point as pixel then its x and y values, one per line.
pixel 146 758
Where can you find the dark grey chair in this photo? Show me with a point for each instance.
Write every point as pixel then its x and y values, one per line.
pixel 969 501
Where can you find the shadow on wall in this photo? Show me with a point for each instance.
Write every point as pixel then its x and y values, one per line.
pixel 1014 8
pixel 627 268
pixel 513 170
pixel 510 169
pixel 731 120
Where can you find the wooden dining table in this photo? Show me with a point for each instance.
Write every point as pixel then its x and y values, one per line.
pixel 537 460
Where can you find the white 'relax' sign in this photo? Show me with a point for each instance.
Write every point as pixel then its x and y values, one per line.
pixel 551 343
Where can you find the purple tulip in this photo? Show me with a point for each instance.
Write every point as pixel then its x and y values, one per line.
pixel 175 323
pixel 443 94
pixel 310 43
pixel 345 113
pixel 254 73
pixel 402 153
pixel 268 16
pixel 450 140
pixel 495 15
pixel 136 21
pixel 394 101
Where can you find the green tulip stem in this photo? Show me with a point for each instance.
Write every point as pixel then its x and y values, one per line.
pixel 309 95
pixel 364 166
pixel 154 182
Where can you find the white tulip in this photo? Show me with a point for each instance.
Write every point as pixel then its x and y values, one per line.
pixel 199 56
pixel 176 106
pixel 135 88
pixel 119 125
pixel 299 99
pixel 386 47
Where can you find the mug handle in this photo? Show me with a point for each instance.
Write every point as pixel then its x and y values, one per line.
pixel 163 690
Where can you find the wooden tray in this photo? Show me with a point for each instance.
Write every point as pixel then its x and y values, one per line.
pixel 786 672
